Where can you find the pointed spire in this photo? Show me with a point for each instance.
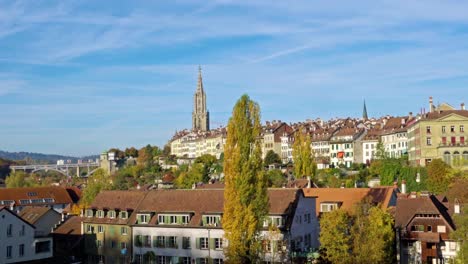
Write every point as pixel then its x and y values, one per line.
pixel 200 81
pixel 364 111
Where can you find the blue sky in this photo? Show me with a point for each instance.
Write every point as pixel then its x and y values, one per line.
pixel 79 77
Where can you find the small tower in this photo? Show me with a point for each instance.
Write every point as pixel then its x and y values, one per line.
pixel 364 111
pixel 200 116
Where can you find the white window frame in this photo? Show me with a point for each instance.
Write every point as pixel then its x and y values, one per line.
pixel 204 243
pixel 218 243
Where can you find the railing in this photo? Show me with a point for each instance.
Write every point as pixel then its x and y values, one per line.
pixel 449 144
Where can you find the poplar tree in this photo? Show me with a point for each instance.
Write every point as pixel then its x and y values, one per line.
pixel 245 193
pixel 302 155
pixel 335 240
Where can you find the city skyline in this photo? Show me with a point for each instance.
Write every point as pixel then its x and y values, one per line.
pixel 77 79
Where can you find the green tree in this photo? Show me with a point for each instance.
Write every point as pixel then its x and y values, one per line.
pixel 438 176
pixel 304 164
pixel 131 152
pixel 96 183
pixel 461 235
pixel 271 157
pixel 245 195
pixel 276 178
pixel 17 179
pixel 373 235
pixel 335 240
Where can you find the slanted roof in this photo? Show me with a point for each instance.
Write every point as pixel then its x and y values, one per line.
pixel 118 200
pixel 59 194
pixel 32 214
pixel 72 226
pixel 14 214
pixel 349 197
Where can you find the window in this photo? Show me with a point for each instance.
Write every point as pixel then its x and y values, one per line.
pixel 112 244
pixel 428 141
pixel 452 246
pixel 203 243
pixel 42 247
pixel 138 240
pixel 452 129
pixel 123 214
pixel 23 230
pixel 202 261
pixel 428 129
pixel 8 252
pixel 211 220
pixel 328 207
pixel 161 219
pixel 462 128
pixel 186 242
pixel 443 129
pixel 89 213
pixel 147 241
pixel 440 229
pixel 417 228
pixel 218 261
pixel 10 230
pixel 100 229
pixel 218 243
pixel 89 228
pixel 172 242
pixel 100 213
pixel 160 241
pixel 462 140
pixel 111 214
pixel 172 219
pixel 123 245
pixel 99 243
pixel 444 140
pixel 143 219
pixel 21 250
pixel 185 260
pixel 185 219
pixel 429 228
pixel 453 140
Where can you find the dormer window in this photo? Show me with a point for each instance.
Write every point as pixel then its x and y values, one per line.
pixel 168 219
pixel 89 213
pixel 123 214
pixel 143 218
pixel 273 220
pixel 211 220
pixel 100 214
pixel 328 207
pixel 111 214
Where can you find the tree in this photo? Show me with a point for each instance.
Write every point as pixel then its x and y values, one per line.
pixel 373 235
pixel 461 235
pixel 245 195
pixel 17 179
pixel 271 157
pixel 304 164
pixel 96 183
pixel 118 153
pixel 438 180
pixel 335 240
pixel 276 178
pixel 131 152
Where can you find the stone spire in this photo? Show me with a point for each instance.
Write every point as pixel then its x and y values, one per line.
pixel 200 115
pixel 364 111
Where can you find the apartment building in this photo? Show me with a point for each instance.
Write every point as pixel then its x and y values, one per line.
pixel 342 146
pixel 395 135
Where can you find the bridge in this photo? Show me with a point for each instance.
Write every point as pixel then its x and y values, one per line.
pixel 63 168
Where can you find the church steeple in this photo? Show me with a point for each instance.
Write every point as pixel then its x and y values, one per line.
pixel 200 115
pixel 364 111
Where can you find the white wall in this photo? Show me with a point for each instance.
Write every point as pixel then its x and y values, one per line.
pixel 300 227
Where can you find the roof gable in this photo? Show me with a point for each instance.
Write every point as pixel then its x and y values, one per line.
pixel 453 117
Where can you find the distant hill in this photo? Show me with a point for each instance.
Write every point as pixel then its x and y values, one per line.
pixel 30 157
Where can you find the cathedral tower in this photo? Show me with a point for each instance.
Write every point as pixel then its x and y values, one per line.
pixel 200 116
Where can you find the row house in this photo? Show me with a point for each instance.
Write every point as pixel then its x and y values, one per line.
pixel 423 225
pixel 342 146
pixel 193 145
pixel 368 147
pixel 57 198
pixel 272 137
pixel 20 241
pixel 185 226
pixel 395 135
pixel 439 134
pixel 320 144
pixel 286 147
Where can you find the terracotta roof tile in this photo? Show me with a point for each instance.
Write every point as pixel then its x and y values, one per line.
pixel 33 213
pixel 59 194
pixel 72 226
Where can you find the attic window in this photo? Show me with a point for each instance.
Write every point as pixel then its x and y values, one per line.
pixel 89 213
pixel 32 193
pixel 100 213
pixel 328 207
pixel 123 214
pixel 211 220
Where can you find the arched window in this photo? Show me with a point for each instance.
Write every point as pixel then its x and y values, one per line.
pixel 447 157
pixel 456 158
pixel 465 155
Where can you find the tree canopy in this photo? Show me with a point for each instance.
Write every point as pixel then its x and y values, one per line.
pixel 438 176
pixel 245 195
pixel 304 164
pixel 271 157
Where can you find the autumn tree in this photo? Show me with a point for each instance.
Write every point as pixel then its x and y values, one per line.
pixel 271 157
pixel 438 180
pixel 245 195
pixel 131 152
pixel 461 235
pixel 18 179
pixel 96 183
pixel 276 178
pixel 304 164
pixel 335 240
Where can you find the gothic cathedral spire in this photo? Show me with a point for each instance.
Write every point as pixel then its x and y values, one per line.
pixel 364 111
pixel 200 116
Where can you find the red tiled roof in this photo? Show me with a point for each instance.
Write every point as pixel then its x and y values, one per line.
pixel 349 197
pixel 33 213
pixel 59 194
pixel 72 226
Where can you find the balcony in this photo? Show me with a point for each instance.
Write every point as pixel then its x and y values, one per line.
pixel 449 144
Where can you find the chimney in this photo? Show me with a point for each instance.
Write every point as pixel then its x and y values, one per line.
pixel 402 121
pixel 403 187
pixel 462 106
pixel 309 182
pixel 456 208
pixel 410 115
